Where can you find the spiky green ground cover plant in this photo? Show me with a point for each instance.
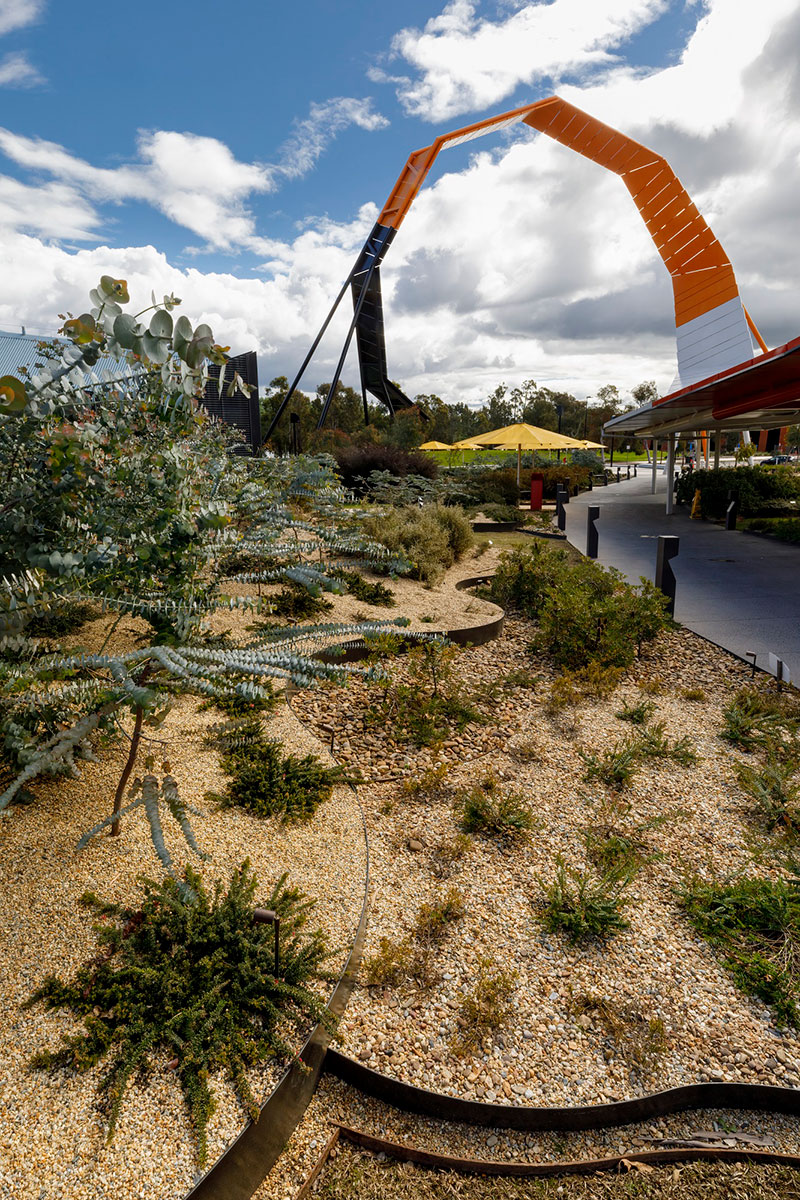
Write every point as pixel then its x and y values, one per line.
pixel 755 923
pixel 193 979
pixel 268 782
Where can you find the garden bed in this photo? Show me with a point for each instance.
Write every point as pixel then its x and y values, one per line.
pixel 53 1136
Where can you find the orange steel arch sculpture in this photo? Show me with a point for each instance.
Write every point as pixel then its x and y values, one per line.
pixel 713 327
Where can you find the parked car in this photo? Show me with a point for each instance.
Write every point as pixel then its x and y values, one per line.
pixel 775 459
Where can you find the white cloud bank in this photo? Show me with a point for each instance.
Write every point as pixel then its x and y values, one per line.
pixel 465 64
pixel 530 263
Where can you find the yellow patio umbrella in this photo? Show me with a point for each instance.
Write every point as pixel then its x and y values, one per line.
pixel 434 445
pixel 523 437
pixel 587 445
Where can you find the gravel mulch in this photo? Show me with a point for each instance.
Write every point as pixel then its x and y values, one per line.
pixel 51 1135
pixel 557 1046
pixel 336 1102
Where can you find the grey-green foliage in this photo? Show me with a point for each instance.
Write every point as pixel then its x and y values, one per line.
pixel 126 496
pixel 154 795
pixel 148 677
pixel 431 537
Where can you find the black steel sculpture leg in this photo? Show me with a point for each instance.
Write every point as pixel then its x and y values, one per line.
pixel 307 360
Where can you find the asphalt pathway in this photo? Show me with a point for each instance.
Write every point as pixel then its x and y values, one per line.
pixel 736 589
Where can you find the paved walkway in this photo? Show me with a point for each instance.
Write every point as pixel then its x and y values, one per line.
pixel 736 589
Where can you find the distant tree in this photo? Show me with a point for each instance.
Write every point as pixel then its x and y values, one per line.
pixel 645 393
pixel 307 408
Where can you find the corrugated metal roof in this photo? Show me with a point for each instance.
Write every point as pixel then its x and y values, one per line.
pixel 19 350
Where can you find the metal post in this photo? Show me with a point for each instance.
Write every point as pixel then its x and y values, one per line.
pixel 670 474
pixel 268 916
pixel 307 360
pixel 654 456
pixel 561 512
pixel 362 295
pixel 592 515
pixel 716 449
pixel 668 546
pixel 730 512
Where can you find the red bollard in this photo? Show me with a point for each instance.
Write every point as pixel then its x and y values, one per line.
pixel 537 491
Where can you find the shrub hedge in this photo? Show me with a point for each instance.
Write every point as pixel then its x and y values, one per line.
pixel 755 489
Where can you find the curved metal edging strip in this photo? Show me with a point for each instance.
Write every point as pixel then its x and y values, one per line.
pixel 248 1160
pixel 409 1098
pixel 471 1166
pixel 472 635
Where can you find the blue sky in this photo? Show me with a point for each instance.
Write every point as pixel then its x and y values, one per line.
pixel 238 155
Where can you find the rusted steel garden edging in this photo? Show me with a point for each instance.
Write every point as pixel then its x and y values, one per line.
pixel 410 1098
pixel 248 1160
pixel 588 1166
pixel 473 635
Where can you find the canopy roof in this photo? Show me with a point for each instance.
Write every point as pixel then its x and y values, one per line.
pixel 762 393
pixel 434 445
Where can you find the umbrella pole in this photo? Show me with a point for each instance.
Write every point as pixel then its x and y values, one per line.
pixel 519 458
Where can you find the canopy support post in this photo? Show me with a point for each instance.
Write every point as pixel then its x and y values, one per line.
pixel 670 473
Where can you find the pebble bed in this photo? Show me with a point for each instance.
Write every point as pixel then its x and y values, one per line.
pixel 552 1050
pixel 52 1138
pixel 335 1102
pixel 549 1053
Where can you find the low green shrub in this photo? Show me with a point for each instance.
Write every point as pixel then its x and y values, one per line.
pixel 61 618
pixel 784 529
pixel 235 705
pixel 753 488
pixel 774 787
pixel 487 808
pixel 525 576
pixel 753 719
pixel 756 925
pixel 571 687
pixel 269 783
pixel 616 767
pixel 582 906
pixel 390 964
pixel 586 613
pixel 486 1008
pixel 653 743
pixel 189 981
pixel 434 919
pixel 431 537
pixel 366 591
pixel 429 705
pixel 297 603
pixel 637 714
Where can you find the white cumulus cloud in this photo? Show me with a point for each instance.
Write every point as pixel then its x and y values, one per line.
pixel 16 14
pixel 465 64
pixel 16 71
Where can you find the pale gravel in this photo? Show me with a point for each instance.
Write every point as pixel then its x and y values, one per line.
pixel 659 964
pixel 336 1103
pixel 51 1136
